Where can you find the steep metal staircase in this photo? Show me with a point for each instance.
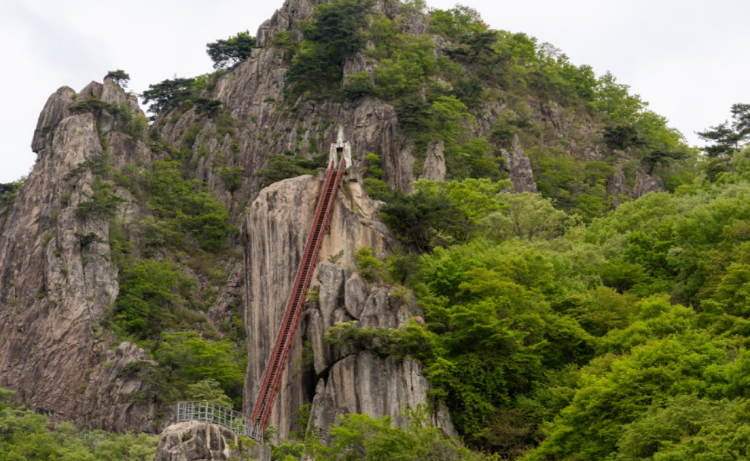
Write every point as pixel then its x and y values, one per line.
pixel 271 380
pixel 255 425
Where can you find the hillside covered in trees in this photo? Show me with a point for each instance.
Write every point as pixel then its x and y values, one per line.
pixel 578 277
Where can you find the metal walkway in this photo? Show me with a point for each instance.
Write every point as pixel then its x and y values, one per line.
pixel 276 364
pixel 212 413
pixel 255 426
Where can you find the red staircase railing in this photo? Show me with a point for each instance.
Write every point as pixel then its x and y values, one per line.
pixel 276 364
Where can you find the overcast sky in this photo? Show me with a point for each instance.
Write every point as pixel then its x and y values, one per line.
pixel 688 58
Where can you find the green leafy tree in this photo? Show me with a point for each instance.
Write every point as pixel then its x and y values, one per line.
pixel 26 435
pixel 285 166
pixel 232 51
pixel 168 94
pixel 209 390
pixel 102 204
pixel 526 216
pixel 118 76
pixel 153 297
pixel 334 33
pixel 189 360
pixel 362 437
pixel 727 138
pixel 8 195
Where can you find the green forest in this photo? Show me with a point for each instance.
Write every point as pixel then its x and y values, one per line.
pixel 557 327
pixel 572 324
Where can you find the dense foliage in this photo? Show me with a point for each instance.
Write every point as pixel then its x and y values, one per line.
pixel 288 165
pixel 334 33
pixel 555 328
pixel 549 340
pixel 160 305
pixel 182 93
pixel 441 92
pixel 360 437
pixel 168 274
pixel 28 436
pixel 8 195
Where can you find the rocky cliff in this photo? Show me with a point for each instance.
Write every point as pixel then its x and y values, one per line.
pixel 58 276
pixel 337 380
pixel 196 441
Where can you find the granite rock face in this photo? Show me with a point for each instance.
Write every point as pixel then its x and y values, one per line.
pixel 357 380
pixel 274 234
pixel 196 441
pixel 434 166
pixel 336 379
pixel 639 185
pixel 519 168
pixel 252 94
pixel 55 286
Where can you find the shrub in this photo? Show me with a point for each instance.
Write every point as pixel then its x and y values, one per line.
pixel 137 127
pixel 8 195
pixel 94 106
pixel 195 365
pixel 188 207
pixel 370 268
pixel 209 390
pixel 283 166
pixel 153 295
pixel 232 177
pixel 358 85
pixel 373 178
pixel 103 204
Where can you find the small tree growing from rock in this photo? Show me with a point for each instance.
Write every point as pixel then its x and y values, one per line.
pixel 118 76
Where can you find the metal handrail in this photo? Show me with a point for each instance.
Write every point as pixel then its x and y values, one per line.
pixel 274 369
pixel 212 413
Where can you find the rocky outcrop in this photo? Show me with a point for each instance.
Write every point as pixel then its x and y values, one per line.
pixel 274 233
pixel 639 184
pixel 644 184
pixel 358 380
pixel 341 379
pixel 519 168
pixel 196 441
pixel 109 387
pixel 434 165
pixel 57 280
pixel 252 94
pixel 54 111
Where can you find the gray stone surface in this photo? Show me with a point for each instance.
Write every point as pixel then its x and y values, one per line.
pixel 434 165
pixel 274 234
pixel 196 441
pixel 54 111
pixel 645 184
pixel 521 173
pixel 54 292
pixel 356 296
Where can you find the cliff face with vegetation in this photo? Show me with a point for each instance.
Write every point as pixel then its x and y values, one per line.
pixel 517 262
pixel 58 276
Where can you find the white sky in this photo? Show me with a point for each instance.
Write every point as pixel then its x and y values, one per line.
pixel 688 58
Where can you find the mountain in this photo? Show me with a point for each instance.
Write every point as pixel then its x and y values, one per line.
pixel 514 230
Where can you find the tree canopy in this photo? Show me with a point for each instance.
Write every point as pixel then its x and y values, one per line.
pixel 118 76
pixel 232 51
